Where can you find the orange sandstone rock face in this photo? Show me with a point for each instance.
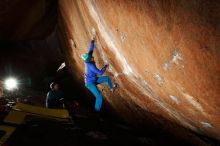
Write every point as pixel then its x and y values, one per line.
pixel 163 54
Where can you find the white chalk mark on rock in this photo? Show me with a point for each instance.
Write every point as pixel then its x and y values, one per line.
pixel 175 59
pixel 166 66
pixel 193 102
pixel 159 79
pixel 175 99
pixel 206 125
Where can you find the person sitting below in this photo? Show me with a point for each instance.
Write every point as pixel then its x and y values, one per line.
pixel 54 97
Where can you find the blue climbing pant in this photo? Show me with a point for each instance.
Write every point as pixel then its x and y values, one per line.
pixel 92 88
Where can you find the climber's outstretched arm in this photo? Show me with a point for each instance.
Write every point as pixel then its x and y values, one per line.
pixel 91 47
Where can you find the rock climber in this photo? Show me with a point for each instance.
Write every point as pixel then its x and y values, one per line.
pixel 93 76
pixel 54 96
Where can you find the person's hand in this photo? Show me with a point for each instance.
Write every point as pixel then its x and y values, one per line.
pixel 93 38
pixel 93 33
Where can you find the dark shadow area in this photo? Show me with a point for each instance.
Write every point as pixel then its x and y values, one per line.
pixel 34 63
pixel 88 130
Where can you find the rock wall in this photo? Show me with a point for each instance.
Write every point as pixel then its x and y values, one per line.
pixel 163 54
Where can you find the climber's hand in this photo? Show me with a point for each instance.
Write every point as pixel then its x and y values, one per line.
pixel 93 37
pixel 93 33
pixel 106 65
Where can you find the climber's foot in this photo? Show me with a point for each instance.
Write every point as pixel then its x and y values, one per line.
pixel 114 87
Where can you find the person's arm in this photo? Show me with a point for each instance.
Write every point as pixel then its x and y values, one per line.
pixel 91 46
pixel 97 71
pixel 47 98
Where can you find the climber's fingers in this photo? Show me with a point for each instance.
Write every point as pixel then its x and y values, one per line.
pixel 93 33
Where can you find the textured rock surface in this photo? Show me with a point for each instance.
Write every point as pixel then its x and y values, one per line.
pixel 163 54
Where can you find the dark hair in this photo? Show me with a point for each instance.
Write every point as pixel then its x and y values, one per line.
pixel 52 85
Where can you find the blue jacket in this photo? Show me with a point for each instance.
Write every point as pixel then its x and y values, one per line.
pixel 53 98
pixel 91 71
